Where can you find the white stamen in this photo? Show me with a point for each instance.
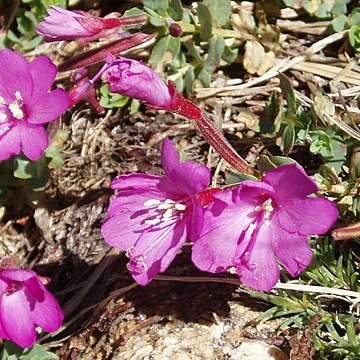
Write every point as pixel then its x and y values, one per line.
pixel 180 207
pixel 2 101
pixel 18 95
pixel 266 207
pixel 16 111
pixel 165 206
pixel 151 202
pixel 169 201
pixel 3 117
pixel 167 214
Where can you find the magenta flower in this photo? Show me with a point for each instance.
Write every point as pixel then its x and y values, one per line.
pixel 152 216
pixel 24 305
pixel 61 24
pixel 134 79
pixel 255 223
pixel 26 104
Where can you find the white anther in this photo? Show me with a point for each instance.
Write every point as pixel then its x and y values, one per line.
pixel 3 117
pixel 151 202
pixel 2 101
pixel 18 95
pixel 180 207
pixel 16 111
pixel 167 214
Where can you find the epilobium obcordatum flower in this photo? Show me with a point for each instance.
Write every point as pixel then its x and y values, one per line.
pixel 152 216
pixel 25 304
pixel 61 24
pixel 134 79
pixel 253 225
pixel 26 104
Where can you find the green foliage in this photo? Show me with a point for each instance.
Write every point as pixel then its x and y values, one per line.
pixel 333 266
pixel 22 181
pixel 110 100
pixel 37 352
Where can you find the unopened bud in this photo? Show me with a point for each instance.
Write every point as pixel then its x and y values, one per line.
pixel 175 30
pixel 79 91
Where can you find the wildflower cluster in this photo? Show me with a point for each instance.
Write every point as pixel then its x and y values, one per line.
pixel 250 228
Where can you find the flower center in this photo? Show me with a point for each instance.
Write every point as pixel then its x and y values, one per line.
pixel 167 210
pixel 16 108
pixel 267 207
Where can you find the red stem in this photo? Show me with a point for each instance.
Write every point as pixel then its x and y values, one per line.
pixel 97 55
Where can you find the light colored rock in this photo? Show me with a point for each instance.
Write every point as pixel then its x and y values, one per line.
pixel 257 350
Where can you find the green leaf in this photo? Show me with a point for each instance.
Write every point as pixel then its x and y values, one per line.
pixel 339 8
pixel 355 17
pixel 27 169
pixel 354 37
pixel 155 19
pixel 189 80
pixel 288 139
pixel 229 54
pixel 37 352
pixel 134 106
pixel 205 77
pixel 175 10
pixel 339 23
pixel 323 11
pixel 164 51
pixel 109 100
pixel 205 21
pixel 220 11
pixel 193 51
pixel 60 3
pixel 268 162
pixel 216 48
pixel 159 6
pixel 288 92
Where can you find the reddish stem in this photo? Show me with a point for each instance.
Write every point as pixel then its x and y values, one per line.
pixel 97 55
pixel 347 232
pixel 210 132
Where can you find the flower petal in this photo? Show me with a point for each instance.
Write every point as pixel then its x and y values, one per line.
pixel 46 313
pixel 290 181
pixel 14 76
pixel 127 217
pixel 135 181
pixel 3 334
pixel 19 328
pixel 48 107
pixel 308 216
pixel 34 140
pixel 293 251
pixel 10 143
pixel 17 274
pixel 169 156
pixel 258 268
pixel 225 222
pixel 187 178
pixel 43 72
pixel 158 248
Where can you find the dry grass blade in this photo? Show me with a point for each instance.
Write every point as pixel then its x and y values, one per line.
pixel 281 66
pixel 343 126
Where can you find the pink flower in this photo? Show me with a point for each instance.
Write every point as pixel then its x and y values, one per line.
pixel 24 305
pixel 152 216
pixel 61 24
pixel 26 104
pixel 134 79
pixel 256 223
